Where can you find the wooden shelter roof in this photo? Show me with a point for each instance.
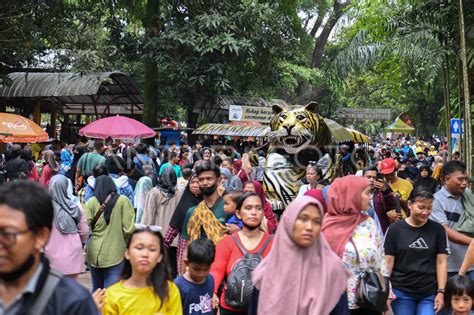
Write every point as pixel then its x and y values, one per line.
pixel 102 93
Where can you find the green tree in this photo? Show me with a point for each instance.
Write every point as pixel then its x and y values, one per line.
pixel 420 36
pixel 212 47
pixel 152 30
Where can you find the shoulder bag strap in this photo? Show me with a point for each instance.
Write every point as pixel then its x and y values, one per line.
pixel 357 252
pixel 101 210
pixel 260 252
pixel 239 244
pixel 47 291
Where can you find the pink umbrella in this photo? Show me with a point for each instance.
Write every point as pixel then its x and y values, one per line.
pixel 117 127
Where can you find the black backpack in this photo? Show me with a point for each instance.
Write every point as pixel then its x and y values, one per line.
pixel 239 283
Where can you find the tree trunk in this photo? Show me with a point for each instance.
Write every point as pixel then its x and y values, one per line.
pixel 447 105
pixel 317 25
pixel 462 149
pixel 320 44
pixel 151 94
pixel 467 96
pixel 190 102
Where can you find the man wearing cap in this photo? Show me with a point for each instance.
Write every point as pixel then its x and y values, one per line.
pixel 420 154
pixel 401 188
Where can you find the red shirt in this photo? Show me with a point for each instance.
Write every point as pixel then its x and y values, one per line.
pixel 227 253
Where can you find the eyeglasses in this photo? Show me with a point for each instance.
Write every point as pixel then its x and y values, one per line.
pixel 9 238
pixel 312 163
pixel 153 228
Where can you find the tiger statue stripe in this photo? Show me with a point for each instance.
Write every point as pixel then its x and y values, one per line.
pixel 298 135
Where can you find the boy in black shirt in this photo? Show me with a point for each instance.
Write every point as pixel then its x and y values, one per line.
pixel 416 254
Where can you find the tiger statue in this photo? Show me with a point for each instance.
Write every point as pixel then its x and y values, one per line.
pixel 298 136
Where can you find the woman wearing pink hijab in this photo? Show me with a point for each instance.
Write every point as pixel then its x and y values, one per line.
pixel 301 274
pixel 349 231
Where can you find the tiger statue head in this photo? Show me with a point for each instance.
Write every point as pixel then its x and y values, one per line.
pixel 297 126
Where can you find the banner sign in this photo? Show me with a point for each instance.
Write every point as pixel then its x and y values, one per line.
pixel 364 113
pixel 250 113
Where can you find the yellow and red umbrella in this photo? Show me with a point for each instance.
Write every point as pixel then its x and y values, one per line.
pixel 16 128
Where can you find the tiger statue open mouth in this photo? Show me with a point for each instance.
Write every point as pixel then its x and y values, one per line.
pixel 297 126
pixel 281 138
pixel 298 135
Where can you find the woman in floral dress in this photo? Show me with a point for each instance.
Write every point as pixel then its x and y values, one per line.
pixel 349 231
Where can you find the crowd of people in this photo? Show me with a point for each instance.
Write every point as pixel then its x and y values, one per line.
pixel 189 230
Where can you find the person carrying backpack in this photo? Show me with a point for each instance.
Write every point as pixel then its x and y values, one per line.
pixel 237 255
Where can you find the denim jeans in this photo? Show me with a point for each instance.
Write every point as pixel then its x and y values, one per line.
pixel 412 304
pixel 342 307
pixel 105 277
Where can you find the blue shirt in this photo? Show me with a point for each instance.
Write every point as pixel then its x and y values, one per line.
pixel 176 168
pixel 196 298
pixel 406 149
pixel 234 220
pixel 66 157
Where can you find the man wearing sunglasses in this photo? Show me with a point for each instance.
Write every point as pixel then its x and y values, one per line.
pixel 27 284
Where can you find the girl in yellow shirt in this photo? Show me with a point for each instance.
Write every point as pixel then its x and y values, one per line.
pixel 145 287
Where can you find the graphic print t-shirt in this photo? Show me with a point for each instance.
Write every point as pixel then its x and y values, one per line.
pixel 415 250
pixel 196 298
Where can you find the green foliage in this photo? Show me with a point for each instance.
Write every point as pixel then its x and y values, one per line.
pixel 290 75
pixel 392 56
pixel 223 47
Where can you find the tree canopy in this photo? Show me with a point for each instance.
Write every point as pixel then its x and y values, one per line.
pixel 403 55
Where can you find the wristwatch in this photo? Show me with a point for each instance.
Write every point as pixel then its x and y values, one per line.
pixel 440 291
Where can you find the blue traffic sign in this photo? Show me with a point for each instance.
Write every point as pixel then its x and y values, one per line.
pixel 456 126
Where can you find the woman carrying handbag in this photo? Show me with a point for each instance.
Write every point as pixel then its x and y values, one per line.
pixel 354 237
pixel 111 217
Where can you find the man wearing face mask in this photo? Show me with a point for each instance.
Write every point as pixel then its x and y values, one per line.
pixel 208 218
pixel 27 284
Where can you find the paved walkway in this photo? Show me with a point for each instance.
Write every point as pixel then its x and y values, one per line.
pixel 85 280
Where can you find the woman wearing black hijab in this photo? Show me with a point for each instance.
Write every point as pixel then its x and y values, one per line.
pixel 191 197
pixel 110 217
pixel 424 179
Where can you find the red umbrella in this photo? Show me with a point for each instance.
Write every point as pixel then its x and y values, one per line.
pixel 117 127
